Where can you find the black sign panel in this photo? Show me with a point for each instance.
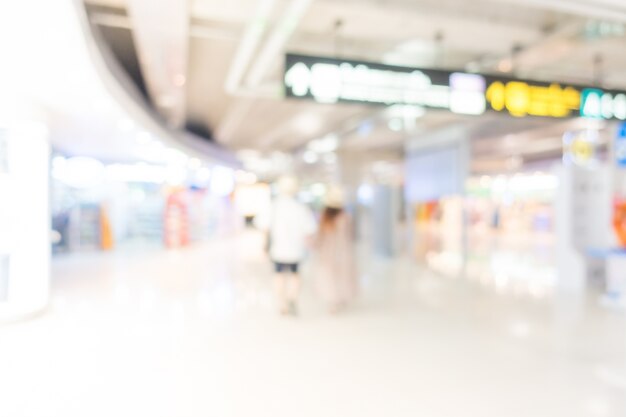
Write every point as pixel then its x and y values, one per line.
pixel 330 80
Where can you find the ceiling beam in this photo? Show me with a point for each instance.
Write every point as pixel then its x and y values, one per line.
pixel 161 35
pixel 274 47
pixel 248 45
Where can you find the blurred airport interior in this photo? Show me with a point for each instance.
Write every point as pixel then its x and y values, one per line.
pixel 313 208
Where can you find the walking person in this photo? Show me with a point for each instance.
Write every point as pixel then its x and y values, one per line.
pixel 291 229
pixel 334 256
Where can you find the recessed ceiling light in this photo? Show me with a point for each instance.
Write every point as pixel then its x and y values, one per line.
pixel 395 124
pixel 195 163
pixel 310 157
pixel 144 138
pixel 125 125
pixel 328 143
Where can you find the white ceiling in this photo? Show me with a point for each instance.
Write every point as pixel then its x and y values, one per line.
pixel 480 32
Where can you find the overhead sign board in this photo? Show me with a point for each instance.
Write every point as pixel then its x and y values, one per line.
pixel 330 80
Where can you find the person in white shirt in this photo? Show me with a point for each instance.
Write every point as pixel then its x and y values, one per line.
pixel 291 227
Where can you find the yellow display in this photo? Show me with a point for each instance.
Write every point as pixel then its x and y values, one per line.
pixel 521 99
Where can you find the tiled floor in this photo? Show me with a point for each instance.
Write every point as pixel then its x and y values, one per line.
pixel 195 333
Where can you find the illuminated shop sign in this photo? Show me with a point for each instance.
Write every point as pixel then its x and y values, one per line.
pixel 329 80
pixel 523 98
pixel 599 104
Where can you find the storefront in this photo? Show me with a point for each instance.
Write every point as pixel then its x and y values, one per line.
pixel 97 206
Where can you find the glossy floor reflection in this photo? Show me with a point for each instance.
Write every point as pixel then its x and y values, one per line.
pixel 194 333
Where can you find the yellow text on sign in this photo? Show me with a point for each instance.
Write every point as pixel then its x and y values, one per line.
pixel 521 99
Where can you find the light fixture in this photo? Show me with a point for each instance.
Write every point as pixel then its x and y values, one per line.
pixel 318 189
pixel 222 181
pixel 245 178
pixel 395 124
pixel 175 156
pixel 125 125
pixel 79 172
pixel 406 115
pixel 144 138
pixel 310 157
pixel 328 143
pixel 194 163
pixel 203 175
pixel 330 158
pixel 365 194
pixel 365 128
pixel 176 175
pixel 136 173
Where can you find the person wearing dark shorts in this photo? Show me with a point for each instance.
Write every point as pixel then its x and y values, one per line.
pixel 286 268
pixel 291 227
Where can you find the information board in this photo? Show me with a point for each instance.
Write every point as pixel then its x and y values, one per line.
pixel 331 80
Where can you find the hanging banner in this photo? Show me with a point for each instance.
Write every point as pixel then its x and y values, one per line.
pixel 330 80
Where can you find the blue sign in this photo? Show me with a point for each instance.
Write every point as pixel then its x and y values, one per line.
pixel 620 146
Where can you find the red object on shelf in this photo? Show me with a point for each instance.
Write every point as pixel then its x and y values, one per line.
pixel 619 221
pixel 176 221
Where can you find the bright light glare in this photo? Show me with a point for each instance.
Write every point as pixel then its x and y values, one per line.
pixel 195 163
pixel 79 172
pixel 328 143
pixel 136 173
pixel 318 189
pixel 395 124
pixel 176 175
pixel 310 157
pixel 245 178
pixel 125 125
pixel 365 194
pixel 144 138
pixel 222 181
pixel 203 175
pixel 175 156
pixel 330 158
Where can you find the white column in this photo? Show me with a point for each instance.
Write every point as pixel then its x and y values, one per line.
pixel 24 220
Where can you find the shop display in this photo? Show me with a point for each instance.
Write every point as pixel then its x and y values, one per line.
pixel 619 222
pixel 135 204
pixel 176 225
pixel 501 233
pixel 89 226
pixel 143 218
